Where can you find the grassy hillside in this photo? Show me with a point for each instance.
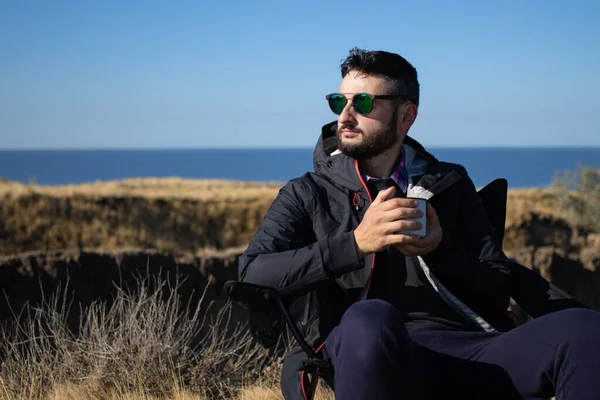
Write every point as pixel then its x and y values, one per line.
pixel 171 215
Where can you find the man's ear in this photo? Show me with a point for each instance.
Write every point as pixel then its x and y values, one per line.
pixel 409 115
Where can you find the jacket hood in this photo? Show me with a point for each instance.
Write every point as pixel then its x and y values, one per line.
pixel 331 163
pixel 328 161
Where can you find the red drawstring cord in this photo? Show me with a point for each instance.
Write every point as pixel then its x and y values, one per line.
pixel 356 200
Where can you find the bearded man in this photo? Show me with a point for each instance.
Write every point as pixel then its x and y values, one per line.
pixel 402 316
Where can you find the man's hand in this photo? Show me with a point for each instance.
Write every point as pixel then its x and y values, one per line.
pixel 429 242
pixel 383 221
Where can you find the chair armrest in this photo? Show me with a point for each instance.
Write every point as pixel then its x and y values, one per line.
pixel 536 296
pixel 252 296
pixel 258 297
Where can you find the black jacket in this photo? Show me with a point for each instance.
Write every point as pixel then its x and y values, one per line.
pixel 305 246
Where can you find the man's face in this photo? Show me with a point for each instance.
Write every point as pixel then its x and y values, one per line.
pixel 366 136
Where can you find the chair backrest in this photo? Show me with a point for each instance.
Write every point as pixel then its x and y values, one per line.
pixel 534 294
pixel 494 197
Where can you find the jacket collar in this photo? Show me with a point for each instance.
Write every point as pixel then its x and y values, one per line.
pixel 427 175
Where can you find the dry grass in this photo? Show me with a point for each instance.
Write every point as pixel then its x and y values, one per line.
pixel 165 188
pixel 573 196
pixel 145 344
pixel 273 392
pixel 258 391
pixel 583 208
pixel 526 201
pixel 192 217
pixel 170 215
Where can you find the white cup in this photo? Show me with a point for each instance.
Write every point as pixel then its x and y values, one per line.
pixel 423 220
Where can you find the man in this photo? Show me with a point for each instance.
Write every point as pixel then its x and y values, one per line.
pixel 397 315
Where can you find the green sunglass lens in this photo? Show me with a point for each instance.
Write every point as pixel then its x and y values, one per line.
pixel 337 102
pixel 362 103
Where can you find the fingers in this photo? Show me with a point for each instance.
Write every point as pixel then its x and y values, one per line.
pixel 400 202
pixel 383 195
pixel 402 226
pixel 432 218
pixel 403 213
pixel 423 245
pixel 420 246
pixel 416 248
pixel 400 239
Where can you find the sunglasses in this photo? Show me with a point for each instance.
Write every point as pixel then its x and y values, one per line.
pixel 362 102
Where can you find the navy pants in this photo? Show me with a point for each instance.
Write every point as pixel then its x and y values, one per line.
pixel 375 357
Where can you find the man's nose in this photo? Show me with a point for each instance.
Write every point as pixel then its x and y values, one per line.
pixel 347 114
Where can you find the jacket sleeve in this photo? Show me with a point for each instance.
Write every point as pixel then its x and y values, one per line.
pixel 479 272
pixel 286 254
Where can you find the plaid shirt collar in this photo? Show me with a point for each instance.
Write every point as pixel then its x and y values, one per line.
pixel 399 174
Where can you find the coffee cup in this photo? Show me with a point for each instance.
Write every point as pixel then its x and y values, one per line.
pixel 422 206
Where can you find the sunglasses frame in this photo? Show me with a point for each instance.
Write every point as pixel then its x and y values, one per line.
pixel 371 96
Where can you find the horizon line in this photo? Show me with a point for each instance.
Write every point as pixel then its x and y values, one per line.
pixel 437 147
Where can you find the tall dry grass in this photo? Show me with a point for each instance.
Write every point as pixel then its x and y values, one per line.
pixel 145 344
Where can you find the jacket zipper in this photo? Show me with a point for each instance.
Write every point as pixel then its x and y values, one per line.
pixel 373 259
pixel 362 181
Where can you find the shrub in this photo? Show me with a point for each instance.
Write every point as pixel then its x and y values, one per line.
pixel 578 193
pixel 146 341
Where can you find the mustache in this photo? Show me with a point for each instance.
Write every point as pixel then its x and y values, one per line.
pixel 350 127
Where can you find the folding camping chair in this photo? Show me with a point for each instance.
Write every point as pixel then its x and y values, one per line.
pixel 535 295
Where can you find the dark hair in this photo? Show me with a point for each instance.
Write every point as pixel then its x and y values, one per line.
pixel 400 74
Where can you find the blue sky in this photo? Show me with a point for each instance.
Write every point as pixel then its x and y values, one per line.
pixel 208 74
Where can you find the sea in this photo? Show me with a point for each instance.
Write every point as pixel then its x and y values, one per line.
pixel 522 167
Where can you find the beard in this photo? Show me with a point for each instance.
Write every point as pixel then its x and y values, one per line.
pixel 372 144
